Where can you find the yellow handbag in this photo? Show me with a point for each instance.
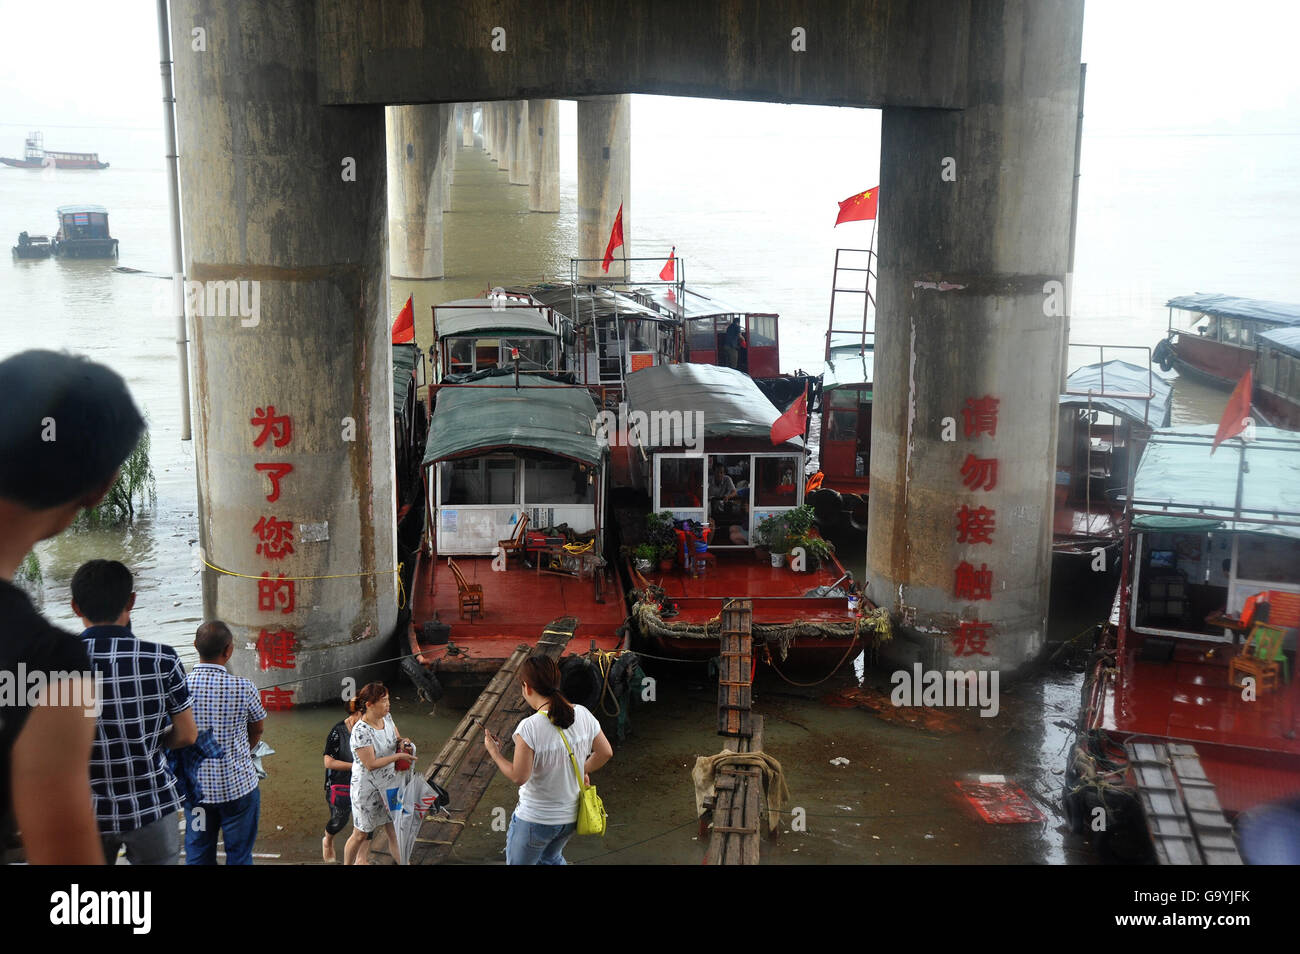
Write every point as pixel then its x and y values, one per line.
pixel 591 810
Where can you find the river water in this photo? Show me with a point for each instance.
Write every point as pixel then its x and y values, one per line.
pixel 747 194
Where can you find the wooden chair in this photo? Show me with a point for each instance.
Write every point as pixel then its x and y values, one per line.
pixel 469 594
pixel 517 539
pixel 1261 656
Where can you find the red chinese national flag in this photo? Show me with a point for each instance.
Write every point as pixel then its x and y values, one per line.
pixel 791 423
pixel 1235 414
pixel 404 326
pixel 858 207
pixel 669 271
pixel 615 238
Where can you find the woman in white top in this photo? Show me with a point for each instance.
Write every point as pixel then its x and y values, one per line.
pixel 547 814
pixel 374 750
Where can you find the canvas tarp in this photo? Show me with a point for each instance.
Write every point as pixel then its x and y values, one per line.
pixel 475 316
pixel 1110 378
pixel 540 416
pixel 1229 306
pixel 731 402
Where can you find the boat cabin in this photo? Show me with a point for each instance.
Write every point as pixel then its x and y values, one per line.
pixel 699 438
pixel 498 454
pixel 1108 412
pixel 1211 531
pixel 1215 341
pixel 83 232
pixel 410 422
pixel 753 347
pixel 1276 396
pixel 614 334
pixel 847 392
pixel 480 334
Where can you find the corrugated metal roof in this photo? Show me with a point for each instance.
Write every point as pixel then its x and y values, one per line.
pixel 731 402
pixel 1109 378
pixel 1283 339
pixel 475 316
pixel 1228 306
pixel 541 417
pixel 1178 476
pixel 697 302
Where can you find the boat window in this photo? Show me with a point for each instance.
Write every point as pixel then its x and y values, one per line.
pixel 640 334
pixel 1268 559
pixel 487 481
pixel 1230 331
pixel 1206 325
pixel 762 330
pixel 1268 369
pixel 557 482
pixel 681 483
pixel 460 355
pixel 775 481
pixel 534 353
pixel 1292 387
pixel 701 335
pixel 1247 335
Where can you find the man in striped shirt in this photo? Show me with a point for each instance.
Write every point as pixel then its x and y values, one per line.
pixel 232 709
pixel 146 709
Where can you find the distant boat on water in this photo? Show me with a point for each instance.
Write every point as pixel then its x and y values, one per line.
pixel 35 156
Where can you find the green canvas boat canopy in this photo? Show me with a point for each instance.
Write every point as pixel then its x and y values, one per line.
pixel 404 357
pixel 540 416
pixel 475 316
pixel 732 404
pixel 1180 486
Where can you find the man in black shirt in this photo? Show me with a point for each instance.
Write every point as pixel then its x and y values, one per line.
pixel 67 426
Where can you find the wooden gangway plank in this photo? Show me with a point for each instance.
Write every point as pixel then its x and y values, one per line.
pixel 1179 805
pixel 463 766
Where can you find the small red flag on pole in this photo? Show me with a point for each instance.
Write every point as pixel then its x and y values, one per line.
pixel 1235 414
pixel 404 325
pixel 792 422
pixel 669 271
pixel 615 239
pixel 858 207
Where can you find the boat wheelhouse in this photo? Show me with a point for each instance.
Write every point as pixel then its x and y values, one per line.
pixel 83 232
pixel 32 246
pixel 504 330
pixel 1210 540
pixel 1108 412
pixel 707 318
pixel 514 473
pixel 697 444
pixel 1276 397
pixel 1217 344
pixel 36 156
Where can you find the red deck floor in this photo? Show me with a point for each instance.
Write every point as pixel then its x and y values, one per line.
pixel 518 604
pixel 777 592
pixel 1250 749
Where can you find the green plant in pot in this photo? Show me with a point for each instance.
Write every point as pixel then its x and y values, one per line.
pixel 644 554
pixel 661 534
pixel 773 534
pixel 817 550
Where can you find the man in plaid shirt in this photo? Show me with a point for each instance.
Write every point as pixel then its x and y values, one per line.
pixel 232 709
pixel 146 709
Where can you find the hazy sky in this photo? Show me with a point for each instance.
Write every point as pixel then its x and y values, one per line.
pixel 1187 65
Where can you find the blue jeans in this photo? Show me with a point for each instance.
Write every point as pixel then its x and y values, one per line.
pixel 237 822
pixel 528 843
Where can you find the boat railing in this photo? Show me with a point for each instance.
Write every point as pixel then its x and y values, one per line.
pixel 1148 395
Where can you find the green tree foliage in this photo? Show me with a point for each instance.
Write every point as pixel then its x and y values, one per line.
pixel 134 485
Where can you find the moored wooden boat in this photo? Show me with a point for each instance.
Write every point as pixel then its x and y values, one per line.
pixel 83 233
pixel 1216 346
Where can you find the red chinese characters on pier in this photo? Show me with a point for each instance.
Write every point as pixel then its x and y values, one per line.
pixel 276 648
pixel 976 525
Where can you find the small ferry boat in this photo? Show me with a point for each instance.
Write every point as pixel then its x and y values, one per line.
pixel 515 481
pixel 32 246
pixel 1276 397
pixel 699 465
pixel 1108 412
pixel 1216 344
pixel 1209 595
pixel 36 156
pixel 482 334
pixel 83 233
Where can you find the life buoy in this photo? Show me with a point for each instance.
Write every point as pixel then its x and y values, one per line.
pixel 814 482
pixel 1163 355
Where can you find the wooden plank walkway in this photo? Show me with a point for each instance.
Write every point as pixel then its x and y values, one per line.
pixel 1182 812
pixel 463 766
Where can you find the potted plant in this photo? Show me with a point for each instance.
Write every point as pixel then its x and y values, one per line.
pixel 817 550
pixel 667 555
pixel 773 533
pixel 644 555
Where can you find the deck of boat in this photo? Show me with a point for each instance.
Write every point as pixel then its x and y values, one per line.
pixel 1249 748
pixel 518 602
pixel 778 593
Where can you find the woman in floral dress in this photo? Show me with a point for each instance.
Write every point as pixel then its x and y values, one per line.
pixel 374 751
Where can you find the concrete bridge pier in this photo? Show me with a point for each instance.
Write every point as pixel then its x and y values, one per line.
pixel 284 207
pixel 543 155
pixel 975 223
pixel 509 127
pixel 519 158
pixel 604 178
pixel 447 156
pixel 417 137
pixel 467 124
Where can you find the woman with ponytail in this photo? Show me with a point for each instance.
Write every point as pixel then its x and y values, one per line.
pixel 547 813
pixel 376 746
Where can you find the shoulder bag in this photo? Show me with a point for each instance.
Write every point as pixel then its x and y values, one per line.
pixel 591 810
